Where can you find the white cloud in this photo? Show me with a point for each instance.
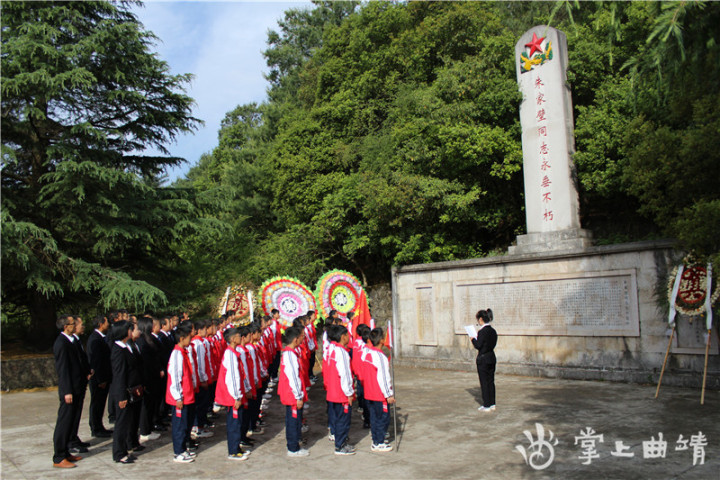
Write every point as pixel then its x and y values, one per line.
pixel 221 43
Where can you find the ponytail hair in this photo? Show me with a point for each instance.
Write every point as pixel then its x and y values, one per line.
pixel 486 315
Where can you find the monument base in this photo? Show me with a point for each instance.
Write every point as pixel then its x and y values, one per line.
pixel 572 239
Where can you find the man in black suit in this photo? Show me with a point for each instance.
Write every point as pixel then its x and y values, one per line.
pixel 98 353
pixel 71 382
pixel 77 445
pixel 114 317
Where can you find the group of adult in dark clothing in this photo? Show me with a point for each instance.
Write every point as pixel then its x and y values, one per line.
pixel 124 365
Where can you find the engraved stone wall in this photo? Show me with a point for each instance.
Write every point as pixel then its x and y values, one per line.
pixel 603 304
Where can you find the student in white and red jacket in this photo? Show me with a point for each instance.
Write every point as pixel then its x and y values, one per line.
pixel 229 393
pixel 362 337
pixel 291 391
pixel 339 386
pixel 378 390
pixel 202 397
pixel 180 393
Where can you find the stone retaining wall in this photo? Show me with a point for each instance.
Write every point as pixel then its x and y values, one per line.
pixel 28 372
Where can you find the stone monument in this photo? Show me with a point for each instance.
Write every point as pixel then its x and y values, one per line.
pixel 551 197
pixel 562 307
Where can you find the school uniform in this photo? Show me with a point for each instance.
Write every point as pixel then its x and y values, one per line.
pixel 79 400
pixel 229 390
pixel 71 380
pixel 358 350
pixel 180 386
pixel 377 384
pixel 486 361
pixel 202 397
pixel 98 353
pixel 152 357
pixel 250 380
pixel 126 374
pixel 290 390
pixel 339 386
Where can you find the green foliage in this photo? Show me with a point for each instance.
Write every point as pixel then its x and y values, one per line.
pixel 84 218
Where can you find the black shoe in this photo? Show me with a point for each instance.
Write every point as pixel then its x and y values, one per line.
pixel 80 443
pixel 138 448
pixel 160 428
pixel 111 419
pixel 103 434
pixel 366 425
pixel 193 445
pixel 76 450
pixel 245 444
pixel 126 459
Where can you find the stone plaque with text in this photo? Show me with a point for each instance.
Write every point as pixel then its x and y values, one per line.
pixel 593 304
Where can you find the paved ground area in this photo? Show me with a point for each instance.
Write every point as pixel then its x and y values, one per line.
pixel 440 435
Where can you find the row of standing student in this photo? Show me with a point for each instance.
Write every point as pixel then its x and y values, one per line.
pixel 136 379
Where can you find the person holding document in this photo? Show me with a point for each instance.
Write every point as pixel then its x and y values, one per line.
pixel 485 342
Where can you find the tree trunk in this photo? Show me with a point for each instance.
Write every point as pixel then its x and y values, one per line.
pixel 42 331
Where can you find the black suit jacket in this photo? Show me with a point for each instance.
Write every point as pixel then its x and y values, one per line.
pixel 126 372
pixel 485 341
pixel 98 353
pixel 72 378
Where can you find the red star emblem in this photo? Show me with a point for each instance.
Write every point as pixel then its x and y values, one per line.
pixel 535 45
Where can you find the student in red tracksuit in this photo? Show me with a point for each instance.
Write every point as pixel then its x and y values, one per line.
pixel 359 345
pixel 248 367
pixel 229 393
pixel 340 390
pixel 291 391
pixel 180 393
pixel 378 390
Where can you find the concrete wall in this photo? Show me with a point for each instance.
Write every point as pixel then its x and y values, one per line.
pixel 596 313
pixel 28 372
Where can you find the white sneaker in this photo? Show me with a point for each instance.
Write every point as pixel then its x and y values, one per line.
pixel 304 429
pixel 267 396
pixel 149 437
pixel 312 382
pixel 306 406
pixel 192 454
pixel 204 433
pixel 492 407
pixel 300 453
pixel 331 437
pixel 183 458
pixel 485 409
pixel 382 447
pixel 237 457
pixel 256 431
pixel 217 408
pixel 263 407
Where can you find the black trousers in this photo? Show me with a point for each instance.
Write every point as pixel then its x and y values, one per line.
pixel 98 399
pixel 123 418
pixel 78 401
pixel 133 438
pixel 486 374
pixel 148 412
pixel 63 430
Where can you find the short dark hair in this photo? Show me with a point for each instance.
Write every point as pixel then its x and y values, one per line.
pixel 99 320
pixel 274 311
pixel 63 320
pixel 229 333
pixel 363 331
pixel 350 315
pixel 291 333
pixel 332 313
pixel 376 336
pixel 335 333
pixel 183 330
pixel 113 316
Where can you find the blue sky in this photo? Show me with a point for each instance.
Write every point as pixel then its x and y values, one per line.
pixel 221 43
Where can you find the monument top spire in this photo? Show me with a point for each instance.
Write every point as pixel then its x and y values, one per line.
pixel 551 196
